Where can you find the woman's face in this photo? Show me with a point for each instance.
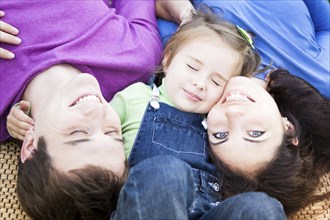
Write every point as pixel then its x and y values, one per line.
pixel 245 127
pixel 80 127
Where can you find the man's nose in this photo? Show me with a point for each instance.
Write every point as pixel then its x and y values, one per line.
pixel 94 111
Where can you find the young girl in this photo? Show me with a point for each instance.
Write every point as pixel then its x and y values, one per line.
pixel 198 60
pixel 281 136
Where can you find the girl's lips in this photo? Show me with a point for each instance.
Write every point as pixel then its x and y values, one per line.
pixel 192 96
pixel 237 96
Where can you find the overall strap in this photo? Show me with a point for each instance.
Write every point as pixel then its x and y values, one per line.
pixel 154 102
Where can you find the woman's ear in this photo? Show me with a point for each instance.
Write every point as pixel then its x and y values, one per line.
pixel 28 146
pixel 290 127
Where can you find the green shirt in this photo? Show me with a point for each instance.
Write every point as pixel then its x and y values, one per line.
pixel 130 104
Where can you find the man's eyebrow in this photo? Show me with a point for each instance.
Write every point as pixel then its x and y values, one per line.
pixel 120 140
pixel 74 142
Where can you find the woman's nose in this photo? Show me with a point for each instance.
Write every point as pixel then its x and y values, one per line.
pixel 235 111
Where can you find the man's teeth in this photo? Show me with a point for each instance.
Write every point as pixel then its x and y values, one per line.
pixel 237 97
pixel 88 98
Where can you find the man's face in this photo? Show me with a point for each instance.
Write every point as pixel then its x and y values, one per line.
pixel 81 128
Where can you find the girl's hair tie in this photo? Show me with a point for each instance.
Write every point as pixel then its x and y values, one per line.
pixel 245 35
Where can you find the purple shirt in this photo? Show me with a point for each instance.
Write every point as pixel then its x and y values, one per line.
pixel 119 45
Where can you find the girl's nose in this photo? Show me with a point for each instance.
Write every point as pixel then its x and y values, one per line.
pixel 200 84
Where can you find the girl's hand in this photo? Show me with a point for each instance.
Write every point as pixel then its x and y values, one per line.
pixel 18 122
pixel 7 35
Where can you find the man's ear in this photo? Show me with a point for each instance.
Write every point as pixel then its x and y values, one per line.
pixel 28 146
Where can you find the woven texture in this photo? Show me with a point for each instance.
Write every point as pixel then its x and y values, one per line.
pixel 10 208
pixel 9 205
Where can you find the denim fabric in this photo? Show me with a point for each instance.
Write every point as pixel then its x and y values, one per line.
pixel 168 131
pixel 162 187
pixel 250 205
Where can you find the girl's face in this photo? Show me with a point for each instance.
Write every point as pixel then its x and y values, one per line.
pixel 195 78
pixel 245 127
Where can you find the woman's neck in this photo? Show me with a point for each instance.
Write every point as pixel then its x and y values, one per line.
pixel 42 87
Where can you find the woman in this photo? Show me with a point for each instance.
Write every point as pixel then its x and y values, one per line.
pixel 274 141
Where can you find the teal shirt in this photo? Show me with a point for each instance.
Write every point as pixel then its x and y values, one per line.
pixel 130 105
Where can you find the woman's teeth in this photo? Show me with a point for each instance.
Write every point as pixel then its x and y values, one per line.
pixel 237 97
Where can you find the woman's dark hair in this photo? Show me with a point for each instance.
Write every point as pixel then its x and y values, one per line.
pixel 294 173
pixel 46 193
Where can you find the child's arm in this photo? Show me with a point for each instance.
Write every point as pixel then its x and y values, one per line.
pixel 18 120
pixel 7 35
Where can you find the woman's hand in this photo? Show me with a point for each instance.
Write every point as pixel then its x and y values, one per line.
pixel 178 11
pixel 18 121
pixel 7 35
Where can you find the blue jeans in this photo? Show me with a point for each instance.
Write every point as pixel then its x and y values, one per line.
pixel 162 187
pixel 169 131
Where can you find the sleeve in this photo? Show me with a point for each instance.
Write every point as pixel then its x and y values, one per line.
pixel 118 103
pixel 320 13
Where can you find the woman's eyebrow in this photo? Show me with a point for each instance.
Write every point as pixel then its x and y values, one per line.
pixel 220 142
pixel 252 140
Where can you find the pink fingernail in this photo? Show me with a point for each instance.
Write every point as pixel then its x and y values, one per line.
pixel 18 40
pixel 10 55
pixel 15 30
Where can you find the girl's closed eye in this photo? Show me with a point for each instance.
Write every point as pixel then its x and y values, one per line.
pixel 215 82
pixel 192 67
pixel 218 80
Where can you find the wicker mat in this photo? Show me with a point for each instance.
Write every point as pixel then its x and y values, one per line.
pixel 10 207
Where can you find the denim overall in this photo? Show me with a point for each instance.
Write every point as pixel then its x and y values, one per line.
pixel 167 131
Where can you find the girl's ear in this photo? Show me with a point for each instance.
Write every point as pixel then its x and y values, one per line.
pixel 290 127
pixel 28 146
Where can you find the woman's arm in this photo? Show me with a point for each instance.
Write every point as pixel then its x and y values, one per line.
pixel 172 10
pixel 7 35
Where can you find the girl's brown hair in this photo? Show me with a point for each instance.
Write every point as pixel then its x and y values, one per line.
pixel 204 23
